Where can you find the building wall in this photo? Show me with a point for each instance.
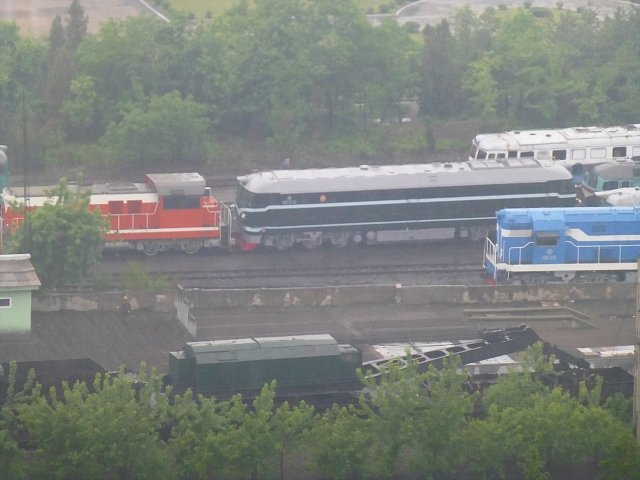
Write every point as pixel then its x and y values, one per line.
pixel 17 316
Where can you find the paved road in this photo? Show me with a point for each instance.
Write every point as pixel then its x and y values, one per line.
pixel 432 11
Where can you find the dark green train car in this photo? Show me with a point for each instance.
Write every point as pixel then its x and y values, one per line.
pixel 302 364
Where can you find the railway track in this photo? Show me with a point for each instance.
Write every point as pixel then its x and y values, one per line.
pixel 290 276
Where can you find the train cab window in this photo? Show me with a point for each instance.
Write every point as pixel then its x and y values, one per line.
pixel 116 207
pixel 526 154
pixel 578 154
pixel 547 239
pixel 598 153
pixel 625 184
pixel 592 181
pixel 181 202
pixel 559 154
pixel 481 155
pixel 619 151
pixel 134 206
pixel 513 154
pixel 610 185
pixel 473 152
pixel 500 155
pixel 491 156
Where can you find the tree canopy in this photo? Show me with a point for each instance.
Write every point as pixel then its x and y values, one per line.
pixel 409 425
pixel 63 237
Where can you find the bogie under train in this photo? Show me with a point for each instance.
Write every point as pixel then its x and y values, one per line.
pixel 539 245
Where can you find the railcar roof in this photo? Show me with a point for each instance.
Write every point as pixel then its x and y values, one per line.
pixel 620 169
pixel 519 216
pixel 390 177
pixel 35 191
pixel 523 139
pixel 262 348
pixel 162 183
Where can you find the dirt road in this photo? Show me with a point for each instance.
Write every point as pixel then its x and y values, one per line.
pixel 34 17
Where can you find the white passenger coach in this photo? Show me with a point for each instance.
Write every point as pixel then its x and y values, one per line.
pixel 568 146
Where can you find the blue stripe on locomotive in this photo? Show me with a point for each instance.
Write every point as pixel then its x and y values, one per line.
pixel 568 235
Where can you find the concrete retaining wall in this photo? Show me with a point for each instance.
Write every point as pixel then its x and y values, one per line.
pixel 409 295
pixel 186 300
pixel 105 301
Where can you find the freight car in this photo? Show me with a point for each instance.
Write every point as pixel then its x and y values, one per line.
pixel 566 146
pixel 168 210
pixel 317 368
pixel 539 245
pixel 301 365
pixel 392 203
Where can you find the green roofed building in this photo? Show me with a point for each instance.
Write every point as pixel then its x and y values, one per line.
pixel 301 364
pixel 17 281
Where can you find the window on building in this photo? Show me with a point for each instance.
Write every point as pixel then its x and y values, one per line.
pixel 619 151
pixel 134 206
pixel 578 154
pixel 116 207
pixel 547 240
pixel 182 202
pixel 5 302
pixel 560 154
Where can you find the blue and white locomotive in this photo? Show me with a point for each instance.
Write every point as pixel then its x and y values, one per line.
pixel 537 245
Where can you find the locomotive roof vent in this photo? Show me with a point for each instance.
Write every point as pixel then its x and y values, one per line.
pixel 364 167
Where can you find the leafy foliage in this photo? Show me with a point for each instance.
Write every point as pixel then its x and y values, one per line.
pixel 63 237
pixel 409 425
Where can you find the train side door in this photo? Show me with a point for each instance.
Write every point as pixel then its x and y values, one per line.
pixel 548 238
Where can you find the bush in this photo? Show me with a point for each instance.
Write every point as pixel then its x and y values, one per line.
pixel 136 279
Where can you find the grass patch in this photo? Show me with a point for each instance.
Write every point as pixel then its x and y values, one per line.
pixel 200 7
pixel 217 7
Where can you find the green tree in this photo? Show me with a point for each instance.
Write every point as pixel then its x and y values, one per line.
pixel 199 437
pixel 77 24
pixel 289 426
pixel 169 130
pixel 109 432
pixel 339 444
pixel 63 236
pixel 79 109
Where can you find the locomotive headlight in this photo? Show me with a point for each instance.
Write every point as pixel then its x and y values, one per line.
pixel 242 214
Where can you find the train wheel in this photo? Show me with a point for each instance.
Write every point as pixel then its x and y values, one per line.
pixel 340 239
pixel 191 246
pixel 478 234
pixel 150 248
pixel 284 241
pixel 314 241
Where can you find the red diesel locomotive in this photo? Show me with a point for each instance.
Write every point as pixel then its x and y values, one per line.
pixel 167 211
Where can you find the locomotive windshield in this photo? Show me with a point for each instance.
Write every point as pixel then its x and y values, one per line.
pixel 243 197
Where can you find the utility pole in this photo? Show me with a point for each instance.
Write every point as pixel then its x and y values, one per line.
pixel 636 373
pixel 25 165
